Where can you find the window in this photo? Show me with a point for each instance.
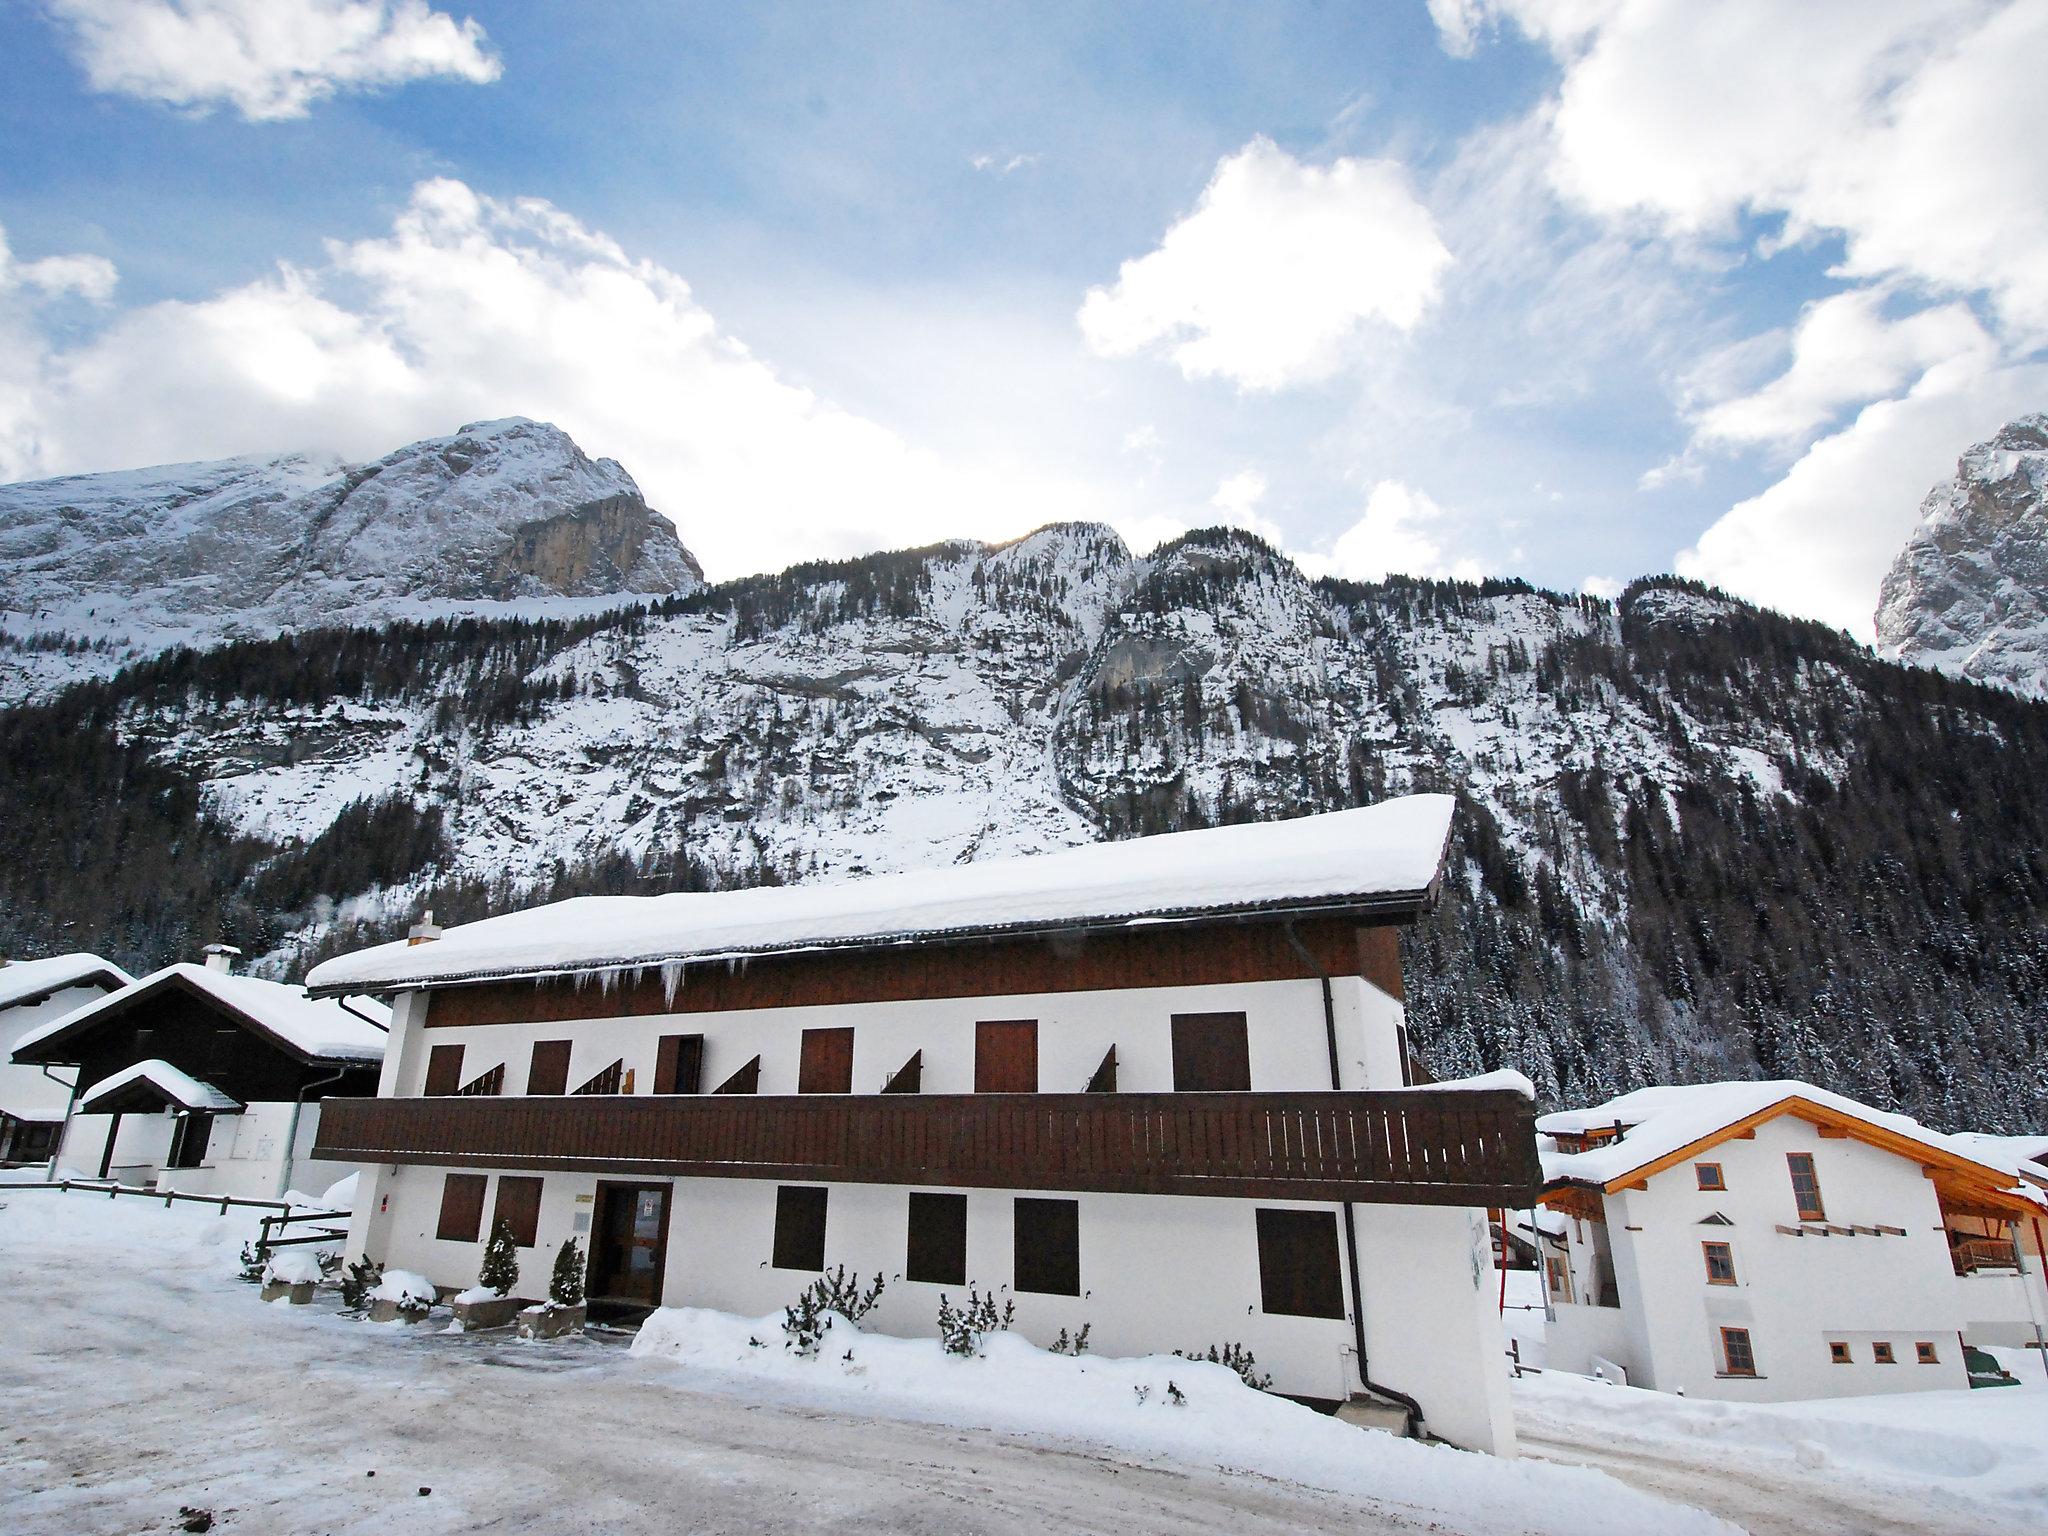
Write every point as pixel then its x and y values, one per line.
pixel 1298 1270
pixel 938 1240
pixel 1709 1175
pixel 1211 1053
pixel 462 1208
pixel 519 1208
pixel 1559 1275
pixel 1805 1186
pixel 1006 1056
pixel 1924 1352
pixel 444 1071
pixel 549 1072
pixel 1720 1263
pixel 1047 1234
pixel 679 1064
pixel 188 1141
pixel 799 1228
pixel 1737 1359
pixel 1838 1353
pixel 1881 1352
pixel 827 1062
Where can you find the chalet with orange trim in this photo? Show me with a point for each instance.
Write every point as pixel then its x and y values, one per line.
pixel 1773 1241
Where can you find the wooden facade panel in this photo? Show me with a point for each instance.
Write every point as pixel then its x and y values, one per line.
pixel 1006 1056
pixel 1165 956
pixel 548 1072
pixel 1405 1146
pixel 826 1062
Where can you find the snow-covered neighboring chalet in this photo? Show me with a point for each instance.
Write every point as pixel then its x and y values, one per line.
pixel 32 993
pixel 1768 1241
pixel 1156 1088
pixel 198 1080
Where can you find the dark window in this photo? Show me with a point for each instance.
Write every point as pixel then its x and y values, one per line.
pixel 549 1073
pixel 444 1070
pixel 1298 1270
pixel 462 1208
pixel 679 1064
pixel 1925 1351
pixel 1806 1186
pixel 938 1240
pixel 1006 1056
pixel 827 1063
pixel 188 1142
pixel 519 1208
pixel 1720 1263
pixel 1881 1352
pixel 1211 1053
pixel 799 1228
pixel 1710 1175
pixel 1047 1234
pixel 1838 1353
pixel 1737 1358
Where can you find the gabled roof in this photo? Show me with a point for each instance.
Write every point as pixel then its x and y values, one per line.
pixel 311 1031
pixel 30 981
pixel 2028 1154
pixel 1382 859
pixel 154 1081
pixel 1665 1126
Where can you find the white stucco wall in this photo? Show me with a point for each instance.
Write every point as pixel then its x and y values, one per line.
pixel 25 1088
pixel 244 1153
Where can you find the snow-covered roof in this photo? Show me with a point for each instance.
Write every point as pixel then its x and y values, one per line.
pixel 179 1087
pixel 2008 1151
pixel 1382 857
pixel 29 981
pixel 1657 1122
pixel 316 1029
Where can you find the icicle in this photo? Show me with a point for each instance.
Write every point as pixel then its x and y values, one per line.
pixel 671 981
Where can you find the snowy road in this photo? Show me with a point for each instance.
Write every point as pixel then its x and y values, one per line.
pixel 141 1379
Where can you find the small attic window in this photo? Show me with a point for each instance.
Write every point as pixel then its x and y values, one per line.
pixel 1709 1176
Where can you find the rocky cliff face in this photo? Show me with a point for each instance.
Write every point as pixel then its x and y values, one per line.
pixel 501 513
pixel 1969 593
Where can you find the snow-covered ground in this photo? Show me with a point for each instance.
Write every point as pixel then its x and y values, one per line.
pixel 143 1378
pixel 1931 1463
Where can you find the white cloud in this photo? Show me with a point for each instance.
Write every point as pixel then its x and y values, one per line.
pixel 1237 501
pixel 89 277
pixel 1601 586
pixel 1819 541
pixel 1400 534
pixel 1004 165
pixel 473 308
pixel 1273 277
pixel 267 59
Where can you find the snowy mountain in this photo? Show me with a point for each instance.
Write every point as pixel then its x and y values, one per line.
pixel 1969 592
pixel 1695 839
pixel 503 515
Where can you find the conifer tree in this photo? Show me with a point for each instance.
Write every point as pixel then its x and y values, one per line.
pixel 500 1271
pixel 565 1286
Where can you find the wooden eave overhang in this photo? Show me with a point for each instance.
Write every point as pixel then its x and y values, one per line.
pixel 51 1050
pixel 1386 908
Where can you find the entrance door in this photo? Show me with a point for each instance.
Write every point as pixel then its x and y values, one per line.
pixel 629 1243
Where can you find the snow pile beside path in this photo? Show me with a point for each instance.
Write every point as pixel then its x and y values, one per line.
pixel 1975 1455
pixel 127 1229
pixel 294 1266
pixel 404 1287
pixel 341 1196
pixel 1018 1388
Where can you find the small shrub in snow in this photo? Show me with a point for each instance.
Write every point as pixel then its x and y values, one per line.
pixel 357 1282
pixel 413 1294
pixel 1175 1396
pixel 833 1293
pixel 1077 1345
pixel 961 1331
pixel 252 1263
pixel 1238 1358
pixel 840 1294
pixel 500 1270
pixel 565 1285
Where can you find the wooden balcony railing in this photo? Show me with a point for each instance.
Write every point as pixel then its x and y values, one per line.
pixel 1405 1147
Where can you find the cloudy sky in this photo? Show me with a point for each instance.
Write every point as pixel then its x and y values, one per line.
pixel 1573 290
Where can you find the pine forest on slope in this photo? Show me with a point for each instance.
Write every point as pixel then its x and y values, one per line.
pixel 1696 839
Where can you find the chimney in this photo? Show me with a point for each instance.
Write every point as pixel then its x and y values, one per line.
pixel 425 931
pixel 221 957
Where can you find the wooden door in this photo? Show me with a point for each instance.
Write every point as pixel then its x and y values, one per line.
pixel 827 1063
pixel 1211 1053
pixel 549 1072
pixel 444 1070
pixel 629 1243
pixel 1006 1056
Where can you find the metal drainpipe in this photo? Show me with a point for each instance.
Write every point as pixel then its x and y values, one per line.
pixel 342 1004
pixel 70 1106
pixel 291 1140
pixel 1414 1409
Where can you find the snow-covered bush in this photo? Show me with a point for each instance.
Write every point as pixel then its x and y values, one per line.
pixel 1238 1358
pixel 292 1266
pixel 412 1292
pixel 252 1264
pixel 961 1331
pixel 357 1284
pixel 832 1294
pixel 500 1270
pixel 1077 1345
pixel 565 1285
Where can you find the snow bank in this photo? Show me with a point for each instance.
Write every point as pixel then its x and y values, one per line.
pixel 341 1196
pixel 1129 1403
pixel 291 1266
pixel 1386 853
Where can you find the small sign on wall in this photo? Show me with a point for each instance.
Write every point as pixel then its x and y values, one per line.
pixel 583 1221
pixel 585 1199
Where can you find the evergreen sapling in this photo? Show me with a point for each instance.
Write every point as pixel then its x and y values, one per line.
pixel 565 1285
pixel 500 1271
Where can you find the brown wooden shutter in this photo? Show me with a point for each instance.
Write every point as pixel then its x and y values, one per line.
pixel 679 1064
pixel 444 1071
pixel 799 1227
pixel 938 1240
pixel 1211 1053
pixel 1047 1238
pixel 462 1208
pixel 549 1073
pixel 908 1078
pixel 1299 1275
pixel 1006 1056
pixel 519 1208
pixel 827 1063
pixel 746 1080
